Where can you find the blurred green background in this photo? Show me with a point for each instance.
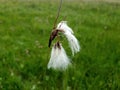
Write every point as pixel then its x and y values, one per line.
pixel 25 26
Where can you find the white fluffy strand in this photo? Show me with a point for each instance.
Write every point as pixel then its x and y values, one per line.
pixel 58 59
pixel 63 25
pixel 68 32
pixel 73 43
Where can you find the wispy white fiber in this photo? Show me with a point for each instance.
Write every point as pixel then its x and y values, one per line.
pixel 58 60
pixel 73 43
pixel 68 32
pixel 63 25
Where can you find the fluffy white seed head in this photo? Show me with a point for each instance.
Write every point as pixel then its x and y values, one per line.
pixel 58 60
pixel 68 32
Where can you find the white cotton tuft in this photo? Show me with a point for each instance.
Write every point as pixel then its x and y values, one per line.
pixel 63 25
pixel 73 43
pixel 68 32
pixel 58 59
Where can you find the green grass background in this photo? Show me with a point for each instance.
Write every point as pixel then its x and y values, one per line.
pixel 25 26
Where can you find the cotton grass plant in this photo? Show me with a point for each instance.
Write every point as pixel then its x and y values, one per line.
pixel 59 59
